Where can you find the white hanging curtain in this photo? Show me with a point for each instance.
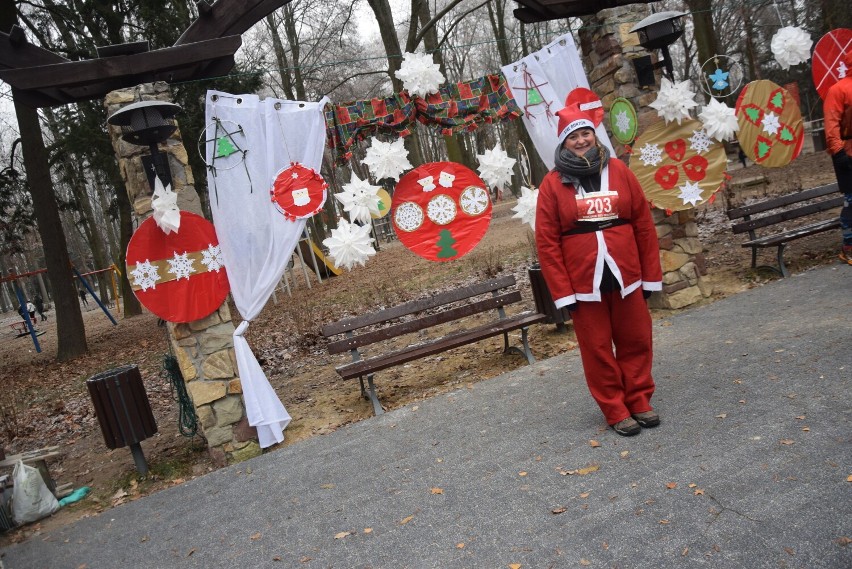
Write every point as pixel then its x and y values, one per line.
pixel 260 139
pixel 540 82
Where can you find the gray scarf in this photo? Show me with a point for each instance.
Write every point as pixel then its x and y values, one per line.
pixel 573 167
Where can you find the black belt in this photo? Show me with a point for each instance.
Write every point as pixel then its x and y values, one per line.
pixel 592 226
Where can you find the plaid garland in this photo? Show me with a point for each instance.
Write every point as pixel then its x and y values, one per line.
pixel 458 107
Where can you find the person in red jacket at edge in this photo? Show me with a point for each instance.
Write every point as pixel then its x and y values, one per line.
pixel 599 254
pixel 837 110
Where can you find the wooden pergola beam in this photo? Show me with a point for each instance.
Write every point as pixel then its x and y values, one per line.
pixel 533 11
pixel 227 18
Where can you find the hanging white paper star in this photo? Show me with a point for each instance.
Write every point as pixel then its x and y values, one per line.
pixel 359 199
pixel 212 258
pixel 700 142
pixel 349 244
pixel 690 193
pixel 651 154
pixel 674 101
pixel 495 167
pixel 164 203
pixel 720 120
pixel 145 275
pixel 525 208
pixel 771 124
pixel 387 159
pixel 791 46
pixel 419 74
pixel 181 265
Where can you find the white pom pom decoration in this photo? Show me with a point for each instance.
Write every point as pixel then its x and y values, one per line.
pixel 720 120
pixel 349 244
pixel 387 159
pixel 164 203
pixel 359 199
pixel 674 101
pixel 525 208
pixel 419 74
pixel 791 46
pixel 495 167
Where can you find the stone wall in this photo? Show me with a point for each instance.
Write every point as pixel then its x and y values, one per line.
pixel 608 48
pixel 204 348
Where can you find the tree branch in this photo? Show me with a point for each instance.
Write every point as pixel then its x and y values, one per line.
pixel 353 77
pixel 410 47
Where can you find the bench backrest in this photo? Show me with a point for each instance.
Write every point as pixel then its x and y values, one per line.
pixel 745 212
pixel 345 325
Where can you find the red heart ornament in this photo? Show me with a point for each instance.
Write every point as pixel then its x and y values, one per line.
pixel 676 149
pixel 667 176
pixel 695 168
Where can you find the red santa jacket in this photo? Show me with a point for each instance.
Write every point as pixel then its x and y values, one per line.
pixel 837 100
pixel 573 264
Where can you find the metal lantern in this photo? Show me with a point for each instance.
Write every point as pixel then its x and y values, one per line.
pixel 657 31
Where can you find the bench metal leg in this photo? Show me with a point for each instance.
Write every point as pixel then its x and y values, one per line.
pixel 754 257
pixel 371 394
pixel 784 272
pixel 526 352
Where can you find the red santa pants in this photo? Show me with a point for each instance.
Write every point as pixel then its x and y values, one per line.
pixel 620 379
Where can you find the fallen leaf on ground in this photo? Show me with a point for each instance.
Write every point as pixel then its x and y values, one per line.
pixel 806 429
pixel 460 546
pixel 437 490
pixel 406 520
pixel 843 541
pixel 801 417
pixel 721 415
pixel 514 566
pixel 144 539
pixel 585 494
pixel 368 530
pixel 522 473
pixel 585 562
pixel 849 478
pixel 305 559
pixel 624 453
pixel 693 485
pixel 594 444
pixel 326 486
pixel 664 522
pixel 256 536
pixel 589 469
pixel 787 441
pixel 684 552
pixel 790 551
pixel 698 492
pixel 559 510
pixel 342 534
pixel 671 485
pixel 277 558
pixel 191 551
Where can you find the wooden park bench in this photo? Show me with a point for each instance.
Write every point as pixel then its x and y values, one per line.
pixel 417 315
pixel 778 211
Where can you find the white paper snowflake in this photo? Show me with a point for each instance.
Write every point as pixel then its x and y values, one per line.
pixel 408 216
pixel 651 154
pixel 359 199
pixel 700 142
pixel 771 124
pixel 674 101
pixel 164 204
pixel 419 73
pixel 495 167
pixel 791 46
pixel 349 244
pixel 212 258
pixel 690 193
pixel 473 200
pixel 441 210
pixel 525 208
pixel 181 266
pixel 719 120
pixel 387 159
pixel 622 121
pixel 145 275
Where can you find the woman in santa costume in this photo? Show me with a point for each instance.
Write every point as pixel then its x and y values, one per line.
pixel 599 254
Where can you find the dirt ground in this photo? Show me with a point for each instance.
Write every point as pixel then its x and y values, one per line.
pixel 44 403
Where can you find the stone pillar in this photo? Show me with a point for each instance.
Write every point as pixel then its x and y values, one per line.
pixel 204 348
pixel 608 48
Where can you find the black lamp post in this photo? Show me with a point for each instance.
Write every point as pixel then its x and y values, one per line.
pixel 148 123
pixel 657 31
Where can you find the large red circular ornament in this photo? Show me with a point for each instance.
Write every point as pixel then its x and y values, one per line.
pixel 298 191
pixel 441 210
pixel 181 276
pixel 827 64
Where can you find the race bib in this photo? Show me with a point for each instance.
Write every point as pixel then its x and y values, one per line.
pixel 599 206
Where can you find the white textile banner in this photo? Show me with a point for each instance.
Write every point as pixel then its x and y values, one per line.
pixel 248 141
pixel 540 82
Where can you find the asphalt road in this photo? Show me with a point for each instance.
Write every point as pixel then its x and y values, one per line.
pixel 750 468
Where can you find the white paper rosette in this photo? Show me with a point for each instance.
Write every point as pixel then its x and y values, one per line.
pixel 719 120
pixel 674 101
pixel 495 167
pixel 791 46
pixel 419 74
pixel 349 245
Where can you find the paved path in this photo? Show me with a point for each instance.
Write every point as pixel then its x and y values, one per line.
pixel 749 468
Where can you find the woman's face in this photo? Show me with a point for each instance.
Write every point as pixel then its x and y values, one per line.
pixel 580 141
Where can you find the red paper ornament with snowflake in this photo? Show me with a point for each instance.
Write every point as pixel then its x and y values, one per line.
pixel 441 210
pixel 298 191
pixel 181 276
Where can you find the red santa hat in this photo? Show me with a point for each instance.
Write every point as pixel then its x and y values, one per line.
pixel 571 118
